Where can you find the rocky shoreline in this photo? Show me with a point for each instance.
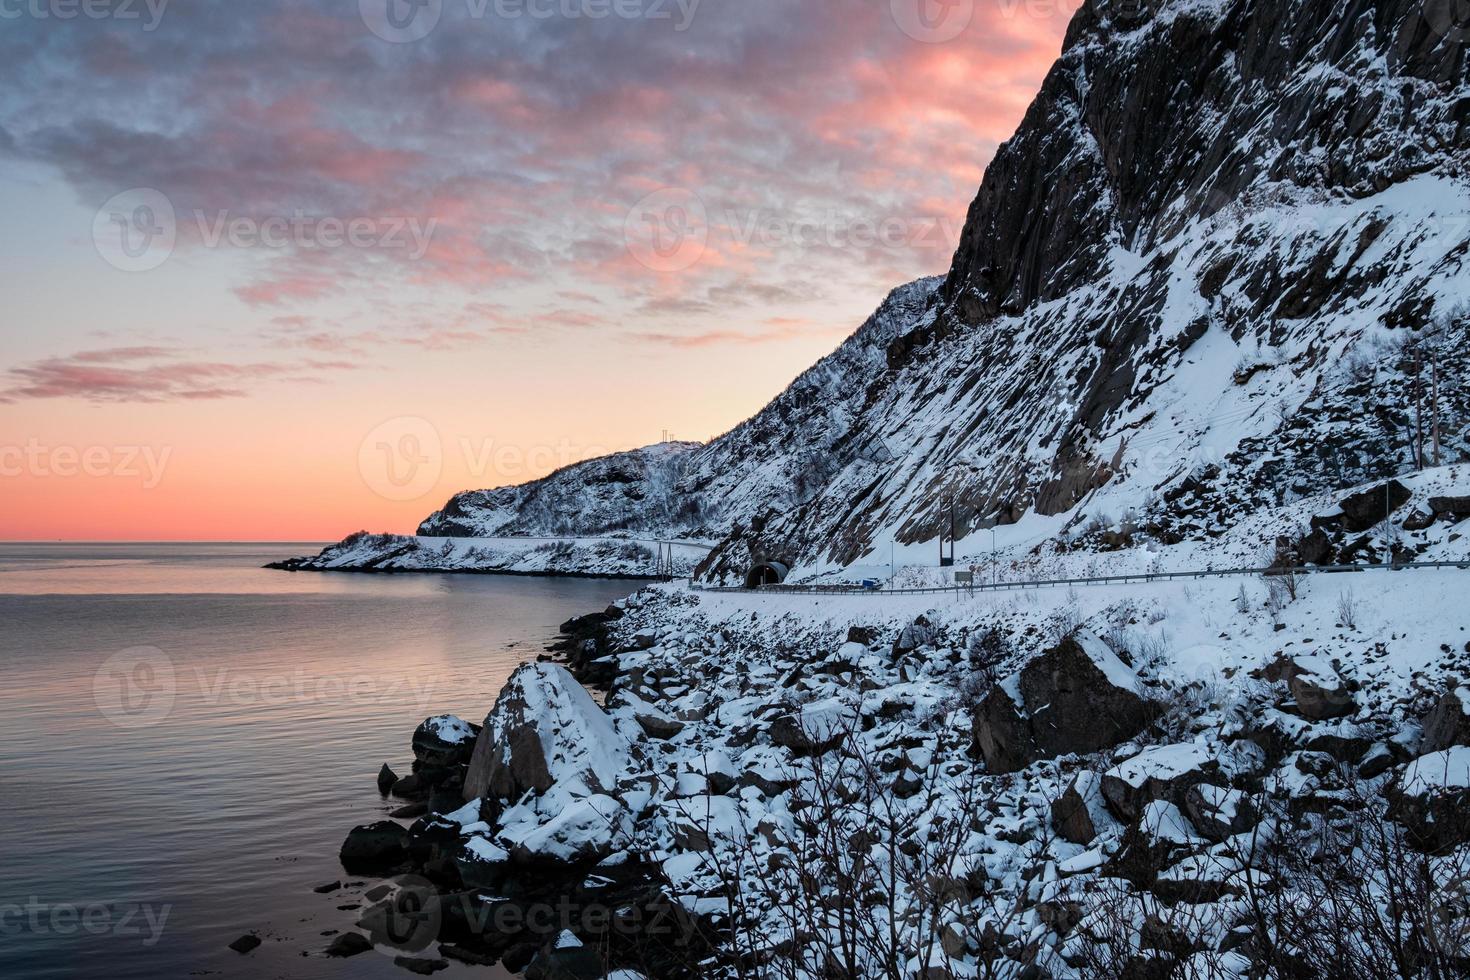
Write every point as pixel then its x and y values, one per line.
pixel 1045 787
pixel 570 900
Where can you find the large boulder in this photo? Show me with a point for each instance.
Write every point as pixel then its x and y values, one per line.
pixel 1368 509
pixel 545 730
pixel 1318 690
pixel 375 847
pixel 444 741
pixel 1431 799
pixel 1076 697
pixel 815 728
pixel 1458 507
pixel 1448 724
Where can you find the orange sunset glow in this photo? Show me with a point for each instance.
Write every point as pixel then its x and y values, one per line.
pixel 463 241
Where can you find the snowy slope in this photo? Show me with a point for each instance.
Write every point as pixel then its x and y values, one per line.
pixel 1183 291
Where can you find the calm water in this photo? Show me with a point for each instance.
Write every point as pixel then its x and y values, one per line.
pixel 185 739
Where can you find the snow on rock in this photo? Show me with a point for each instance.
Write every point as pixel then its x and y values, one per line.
pixel 1081 815
pixel 1162 773
pixel 444 741
pixel 1076 697
pixel 1448 725
pixel 545 731
pixel 1432 799
pixel 586 830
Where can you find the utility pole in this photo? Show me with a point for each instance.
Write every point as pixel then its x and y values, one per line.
pixel 1387 524
pixel 1434 399
pixel 1418 405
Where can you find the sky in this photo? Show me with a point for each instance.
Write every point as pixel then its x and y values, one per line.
pixel 289 269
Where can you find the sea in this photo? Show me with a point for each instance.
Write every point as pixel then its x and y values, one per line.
pixel 186 738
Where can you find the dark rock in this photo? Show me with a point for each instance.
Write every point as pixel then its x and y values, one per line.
pixel 913 637
pixel 410 812
pixel 1079 814
pixel 468 954
pixel 1318 691
pixel 1418 521
pixel 1218 813
pixel 1448 724
pixel 866 635
pixel 1081 698
pixel 349 944
pixel 444 742
pixel 1458 507
pixel 386 778
pixel 327 889
pixel 375 847
pixel 1163 773
pixel 1431 800
pixel 412 787
pixel 1377 761
pixel 1315 549
pixel 1003 734
pixel 1373 506
pixel 422 967
pixel 245 943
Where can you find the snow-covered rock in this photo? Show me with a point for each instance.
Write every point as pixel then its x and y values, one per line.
pixel 1432 799
pixel 1076 697
pixel 545 730
pixel 1448 724
pixel 1162 773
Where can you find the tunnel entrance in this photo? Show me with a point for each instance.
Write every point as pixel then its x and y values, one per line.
pixel 766 573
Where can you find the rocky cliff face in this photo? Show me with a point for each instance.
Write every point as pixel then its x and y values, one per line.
pixel 1200 255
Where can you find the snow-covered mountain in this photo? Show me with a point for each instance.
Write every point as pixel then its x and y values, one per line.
pixel 1202 275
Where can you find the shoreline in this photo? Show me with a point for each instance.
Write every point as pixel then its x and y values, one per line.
pixel 290 565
